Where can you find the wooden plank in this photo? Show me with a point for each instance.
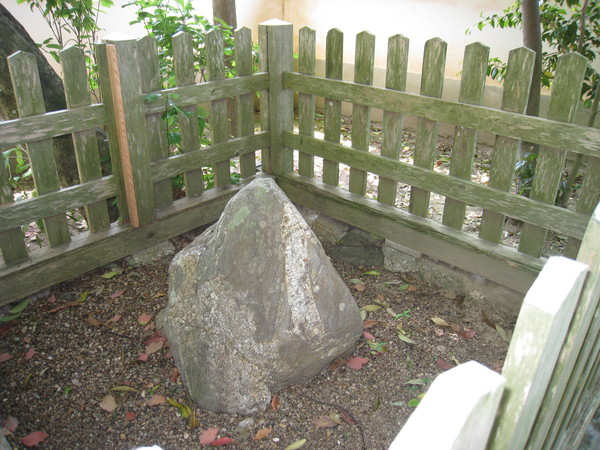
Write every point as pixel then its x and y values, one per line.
pixel 51 204
pixel 334 67
pixel 219 120
pixel 30 101
pixel 263 66
pixel 185 74
pixel 432 83
pixel 579 139
pixel 245 102
pixel 12 245
pixel 361 114
pixel 278 35
pixel 465 139
pixel 111 128
pixel 210 155
pixel 91 250
pixel 581 346
pixel 516 206
pixel 306 103
pixel 395 78
pixel 500 264
pixel 85 142
pixel 125 81
pixel 158 147
pixel 504 157
pixel 550 161
pixel 457 412
pixel 49 125
pixel 534 349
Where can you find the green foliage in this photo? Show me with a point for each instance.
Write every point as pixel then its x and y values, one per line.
pixel 561 33
pixel 16 161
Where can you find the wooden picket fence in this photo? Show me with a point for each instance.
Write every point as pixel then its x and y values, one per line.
pixel 143 166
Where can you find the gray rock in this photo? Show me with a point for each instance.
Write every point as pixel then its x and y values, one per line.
pixel 255 304
pixel 360 248
pixel 151 254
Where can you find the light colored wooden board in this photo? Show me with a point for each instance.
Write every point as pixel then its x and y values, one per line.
pixel 457 412
pixel 558 219
pixel 334 66
pixel 534 349
pixel 306 103
pixel 500 264
pixel 576 138
pixel 432 83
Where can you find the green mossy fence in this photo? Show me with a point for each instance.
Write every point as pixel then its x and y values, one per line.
pixel 143 166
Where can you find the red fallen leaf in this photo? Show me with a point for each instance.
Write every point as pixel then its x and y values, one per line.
pixel 347 418
pixel 208 436
pixel 357 362
pixel 117 293
pixel 156 399
pixel 174 375
pixel 155 339
pixel 275 402
pixel 143 357
pixel 129 416
pixel 34 438
pixel 5 357
pixel 52 299
pixel 369 323
pixel 222 441
pixel 27 339
pixel 369 336
pixel 29 354
pixel 443 364
pixel 144 319
pixel 468 333
pixel 11 423
pixel 115 318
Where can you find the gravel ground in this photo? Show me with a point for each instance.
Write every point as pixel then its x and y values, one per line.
pixel 78 348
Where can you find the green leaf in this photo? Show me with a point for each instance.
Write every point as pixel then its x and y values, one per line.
pixel 418 381
pixel 370 308
pixel 10 318
pixel 123 389
pixel 405 338
pixel 109 275
pixel 372 272
pixel 500 331
pixel 152 97
pixel 20 307
pixel 398 403
pixel 83 296
pixel 363 314
pixel 183 409
pixel 296 445
pixel 403 287
pixel 356 281
pixel 413 402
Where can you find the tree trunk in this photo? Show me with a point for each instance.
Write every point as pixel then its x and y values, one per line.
pixel 13 37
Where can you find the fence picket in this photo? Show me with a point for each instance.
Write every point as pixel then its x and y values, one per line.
pixel 158 147
pixel 306 102
pixel 395 78
pixel 245 103
pixel 550 163
pixel 334 66
pixel 185 75
pixel 12 244
pixel 85 142
pixel 30 101
pixel 465 139
pixel 361 114
pixel 432 82
pixel 219 120
pixel 504 157
pixel 534 349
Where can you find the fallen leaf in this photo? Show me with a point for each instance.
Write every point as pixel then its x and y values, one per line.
pixel 144 319
pixel 115 318
pixel 83 296
pixel 155 346
pixel 363 314
pixel 275 402
pixel 337 364
pixel 117 293
pixel 487 320
pixel 369 323
pixel 109 275
pixel 367 335
pixel 174 375
pixel 443 364
pixel 456 361
pixel 29 354
pixel 405 338
pixel 5 357
pixel 11 423
pixel 391 312
pixel 356 281
pixel 129 416
pixel 11 317
pixel 411 288
pixel 184 409
pixel 156 399
pixel 108 403
pixel 222 441
pixel 160 294
pixel 418 381
pixel 324 422
pixel 194 422
pixel 52 299
pixel 348 418
pixel 468 333
pixel 403 287
pixel 336 418
pixel 123 389
pixel 5 328
pixel 370 308
pixel 143 357
pixel 455 327
pixel 34 438
pixel 93 321
pixel 398 403
pixel 208 436
pixel 439 321
pixel 502 333
pixel 296 445
pixel 20 307
pixel 359 287
pixel 263 433
pixel 372 272
pixel 377 404
pixel 357 362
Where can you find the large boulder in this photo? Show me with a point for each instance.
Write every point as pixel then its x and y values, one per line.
pixel 255 304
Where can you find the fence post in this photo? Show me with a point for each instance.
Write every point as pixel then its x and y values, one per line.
pixel 275 37
pixel 128 110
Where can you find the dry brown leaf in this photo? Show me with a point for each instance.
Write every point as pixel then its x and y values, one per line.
pixel 155 346
pixel 156 399
pixel 275 402
pixel 93 321
pixel 108 403
pixel 439 321
pixel 324 422
pixel 263 433
pixel 359 287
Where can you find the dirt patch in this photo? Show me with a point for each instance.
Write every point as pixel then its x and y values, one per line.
pixel 84 337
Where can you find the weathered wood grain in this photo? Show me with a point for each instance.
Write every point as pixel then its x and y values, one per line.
pixel 432 83
pixel 12 245
pixel 395 78
pixel 521 208
pixel 465 139
pixel 334 66
pixel 30 101
pixel 306 103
